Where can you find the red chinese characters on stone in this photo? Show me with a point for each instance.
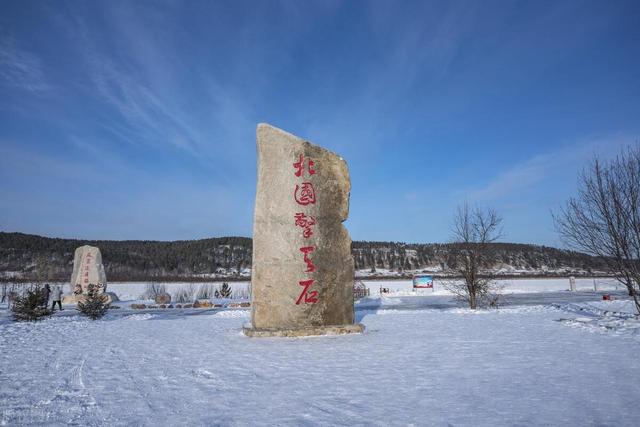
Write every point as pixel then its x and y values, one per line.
pixel 307 297
pixel 305 194
pixel 299 165
pixel 306 251
pixel 306 223
pixel 85 268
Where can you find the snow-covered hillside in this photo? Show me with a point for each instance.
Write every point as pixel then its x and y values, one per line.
pixel 231 257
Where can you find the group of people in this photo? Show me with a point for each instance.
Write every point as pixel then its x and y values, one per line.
pixel 55 294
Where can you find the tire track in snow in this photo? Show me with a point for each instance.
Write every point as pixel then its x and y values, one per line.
pixel 76 376
pixel 594 319
pixel 71 403
pixel 142 389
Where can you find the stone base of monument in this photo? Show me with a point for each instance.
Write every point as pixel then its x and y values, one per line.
pixel 74 299
pixel 70 299
pixel 304 332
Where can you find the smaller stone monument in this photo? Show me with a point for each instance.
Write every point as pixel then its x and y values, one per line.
pixel 88 269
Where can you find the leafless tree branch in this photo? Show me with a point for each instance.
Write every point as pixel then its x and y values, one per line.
pixel 604 218
pixel 473 232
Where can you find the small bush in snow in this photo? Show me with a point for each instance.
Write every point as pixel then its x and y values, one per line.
pixel 8 292
pixel 185 294
pixel 152 290
pixel 206 291
pixel 243 292
pixel 225 291
pixel 30 305
pixel 95 304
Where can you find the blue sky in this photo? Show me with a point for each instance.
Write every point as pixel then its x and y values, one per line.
pixel 136 120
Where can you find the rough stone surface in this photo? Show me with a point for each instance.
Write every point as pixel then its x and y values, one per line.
pixel 70 299
pixel 305 332
pixel 202 304
pixel 108 297
pixel 278 300
pixel 239 305
pixel 87 269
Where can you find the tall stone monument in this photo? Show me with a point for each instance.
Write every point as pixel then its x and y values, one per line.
pixel 303 271
pixel 87 269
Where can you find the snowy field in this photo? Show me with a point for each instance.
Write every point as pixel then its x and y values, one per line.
pixel 508 286
pixel 547 357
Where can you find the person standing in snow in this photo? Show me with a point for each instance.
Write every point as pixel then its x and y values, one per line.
pixel 45 294
pixel 56 296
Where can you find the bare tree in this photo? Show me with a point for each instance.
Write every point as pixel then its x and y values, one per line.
pixel 8 292
pixel 42 271
pixel 152 290
pixel 604 219
pixel 471 256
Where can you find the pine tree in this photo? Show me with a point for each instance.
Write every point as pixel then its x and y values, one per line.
pixel 30 305
pixel 225 290
pixel 95 304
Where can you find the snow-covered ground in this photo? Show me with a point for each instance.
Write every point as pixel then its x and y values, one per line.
pixel 508 286
pixel 134 291
pixel 547 357
pixel 503 270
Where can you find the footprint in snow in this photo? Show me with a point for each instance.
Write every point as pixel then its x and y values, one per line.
pixel 203 373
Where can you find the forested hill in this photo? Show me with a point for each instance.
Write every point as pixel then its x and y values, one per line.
pixel 26 257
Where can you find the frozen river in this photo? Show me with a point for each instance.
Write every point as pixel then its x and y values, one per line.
pixel 135 290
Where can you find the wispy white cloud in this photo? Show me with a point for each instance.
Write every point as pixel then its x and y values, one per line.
pixel 91 186
pixel 18 160
pixel 149 114
pixel 21 69
pixel 417 54
pixel 542 167
pixel 516 178
pixel 144 83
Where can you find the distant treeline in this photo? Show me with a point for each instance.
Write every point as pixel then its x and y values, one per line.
pixel 509 259
pixel 28 256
